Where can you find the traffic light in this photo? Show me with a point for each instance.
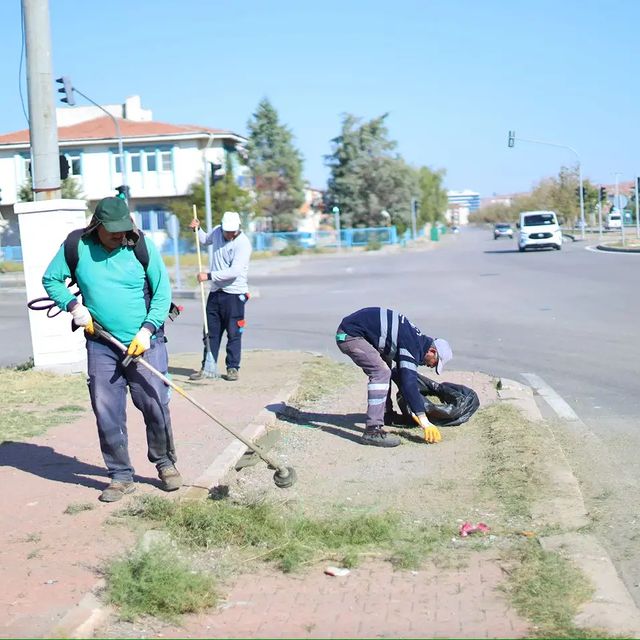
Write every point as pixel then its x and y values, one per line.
pixel 215 177
pixel 64 167
pixel 584 193
pixel 123 192
pixel 67 89
pixel 512 139
pixel 603 193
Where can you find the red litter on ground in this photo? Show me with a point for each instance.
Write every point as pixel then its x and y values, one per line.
pixel 467 528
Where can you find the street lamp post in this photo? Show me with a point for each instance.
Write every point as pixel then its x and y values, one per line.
pixel 512 139
pixel 336 213
pixel 123 164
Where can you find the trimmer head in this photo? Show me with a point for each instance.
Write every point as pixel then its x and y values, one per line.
pixel 285 477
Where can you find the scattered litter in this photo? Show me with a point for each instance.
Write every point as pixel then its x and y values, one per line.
pixel 339 572
pixel 467 528
pixel 32 504
pixel 414 573
pixel 528 534
pixel 51 581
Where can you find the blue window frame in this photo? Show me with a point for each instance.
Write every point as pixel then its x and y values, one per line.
pixel 152 218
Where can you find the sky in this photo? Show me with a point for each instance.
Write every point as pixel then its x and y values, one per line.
pixel 454 75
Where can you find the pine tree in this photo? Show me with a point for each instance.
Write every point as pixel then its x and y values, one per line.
pixel 276 166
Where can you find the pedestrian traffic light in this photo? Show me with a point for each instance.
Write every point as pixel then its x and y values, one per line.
pixel 67 89
pixel 215 177
pixel 123 192
pixel 512 138
pixel 603 193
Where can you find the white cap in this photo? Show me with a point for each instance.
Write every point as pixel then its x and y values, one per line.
pixel 444 353
pixel 230 221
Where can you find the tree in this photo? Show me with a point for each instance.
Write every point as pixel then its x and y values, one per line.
pixel 276 166
pixel 367 178
pixel 560 194
pixel 69 187
pixel 433 196
pixel 226 195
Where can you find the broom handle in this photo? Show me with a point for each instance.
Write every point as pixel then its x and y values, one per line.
pixel 202 298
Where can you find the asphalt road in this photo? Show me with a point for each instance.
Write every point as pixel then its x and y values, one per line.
pixel 569 316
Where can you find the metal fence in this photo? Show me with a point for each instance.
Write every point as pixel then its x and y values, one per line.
pixel 277 241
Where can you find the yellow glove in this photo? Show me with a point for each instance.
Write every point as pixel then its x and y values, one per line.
pixel 431 432
pixel 140 343
pixel 89 327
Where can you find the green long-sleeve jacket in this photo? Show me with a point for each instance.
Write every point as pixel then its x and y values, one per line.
pixel 112 286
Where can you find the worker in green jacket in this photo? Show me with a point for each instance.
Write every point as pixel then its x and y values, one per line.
pixel 131 302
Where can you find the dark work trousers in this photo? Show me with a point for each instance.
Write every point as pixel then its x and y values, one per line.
pixel 108 382
pixel 225 312
pixel 370 361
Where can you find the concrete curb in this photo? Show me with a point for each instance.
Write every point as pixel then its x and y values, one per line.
pixel 82 620
pixel 605 247
pixel 611 608
pixel 226 460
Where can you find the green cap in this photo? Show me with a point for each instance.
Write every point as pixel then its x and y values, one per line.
pixel 113 214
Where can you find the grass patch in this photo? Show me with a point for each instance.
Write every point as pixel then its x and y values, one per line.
pixel 157 583
pixel 548 589
pixel 78 507
pixel 11 266
pixel 32 401
pixel 321 377
pixel 511 449
pixel 290 539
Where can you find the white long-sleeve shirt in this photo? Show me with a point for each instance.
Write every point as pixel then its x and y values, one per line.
pixel 230 263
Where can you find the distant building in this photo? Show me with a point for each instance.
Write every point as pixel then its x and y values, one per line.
pixel 162 160
pixel 466 198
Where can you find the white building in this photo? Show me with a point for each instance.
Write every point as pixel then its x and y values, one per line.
pixel 162 160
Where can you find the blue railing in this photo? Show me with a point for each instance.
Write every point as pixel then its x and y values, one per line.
pixel 277 241
pixel 11 254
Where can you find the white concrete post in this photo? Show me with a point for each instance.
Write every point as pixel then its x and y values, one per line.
pixel 43 227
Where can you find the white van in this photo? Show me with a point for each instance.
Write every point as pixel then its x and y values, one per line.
pixel 613 221
pixel 539 229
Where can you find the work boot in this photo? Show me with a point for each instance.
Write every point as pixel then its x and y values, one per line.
pixel 198 375
pixel 378 437
pixel 170 478
pixel 116 490
pixel 232 374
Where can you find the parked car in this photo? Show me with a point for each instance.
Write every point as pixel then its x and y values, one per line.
pixel 502 230
pixel 539 229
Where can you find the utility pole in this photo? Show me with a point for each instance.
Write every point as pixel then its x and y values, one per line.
pixel 43 131
pixel 207 193
pixel 336 214
pixel 414 215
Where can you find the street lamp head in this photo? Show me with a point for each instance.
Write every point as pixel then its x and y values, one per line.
pixel 335 210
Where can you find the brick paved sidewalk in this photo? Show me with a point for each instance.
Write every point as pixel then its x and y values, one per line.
pixel 374 600
pixel 50 559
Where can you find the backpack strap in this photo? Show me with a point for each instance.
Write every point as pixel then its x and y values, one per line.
pixel 71 254
pixel 141 252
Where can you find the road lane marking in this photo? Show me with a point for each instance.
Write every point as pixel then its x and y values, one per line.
pixel 553 399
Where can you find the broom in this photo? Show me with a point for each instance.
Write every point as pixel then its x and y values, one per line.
pixel 210 367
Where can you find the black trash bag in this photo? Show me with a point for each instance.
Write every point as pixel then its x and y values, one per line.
pixel 457 402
